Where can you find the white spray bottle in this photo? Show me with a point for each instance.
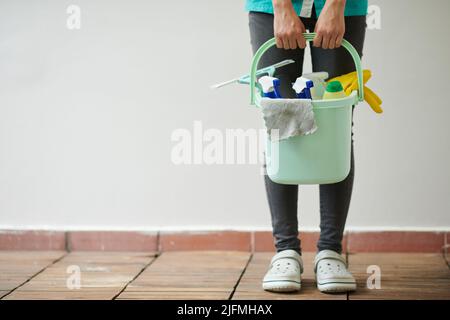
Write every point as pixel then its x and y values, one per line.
pixel 270 87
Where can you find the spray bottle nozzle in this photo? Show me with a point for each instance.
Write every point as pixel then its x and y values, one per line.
pixel 302 87
pixel 270 86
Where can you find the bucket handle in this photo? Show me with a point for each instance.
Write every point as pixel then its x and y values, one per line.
pixel 308 37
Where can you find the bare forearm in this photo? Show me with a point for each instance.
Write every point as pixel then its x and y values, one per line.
pixel 282 5
pixel 338 5
pixel 341 2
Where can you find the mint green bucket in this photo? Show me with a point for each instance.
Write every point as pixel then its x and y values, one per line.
pixel 324 156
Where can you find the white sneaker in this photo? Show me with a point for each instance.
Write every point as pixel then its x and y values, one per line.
pixel 284 274
pixel 331 272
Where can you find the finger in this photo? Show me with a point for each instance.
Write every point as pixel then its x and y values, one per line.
pixel 325 41
pixel 332 43
pixel 317 40
pixel 292 42
pixel 301 42
pixel 338 41
pixel 279 42
pixel 286 43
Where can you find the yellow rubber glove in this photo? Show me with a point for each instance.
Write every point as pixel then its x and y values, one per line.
pixel 349 82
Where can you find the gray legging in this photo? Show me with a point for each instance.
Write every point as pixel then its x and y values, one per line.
pixel 334 198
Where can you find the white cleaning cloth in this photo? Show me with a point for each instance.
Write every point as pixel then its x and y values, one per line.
pixel 292 117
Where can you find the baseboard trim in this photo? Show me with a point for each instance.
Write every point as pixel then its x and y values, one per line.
pixel 253 241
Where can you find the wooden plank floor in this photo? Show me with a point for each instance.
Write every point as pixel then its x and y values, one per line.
pixel 403 276
pixel 207 275
pixel 447 256
pixel 18 267
pixel 189 275
pixel 103 276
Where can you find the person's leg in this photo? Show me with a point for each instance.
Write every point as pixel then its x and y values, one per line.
pixel 335 198
pixel 282 198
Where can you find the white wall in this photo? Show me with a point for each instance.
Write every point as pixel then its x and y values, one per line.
pixel 86 118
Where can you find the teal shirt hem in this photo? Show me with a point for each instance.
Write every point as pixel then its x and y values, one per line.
pixel 352 7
